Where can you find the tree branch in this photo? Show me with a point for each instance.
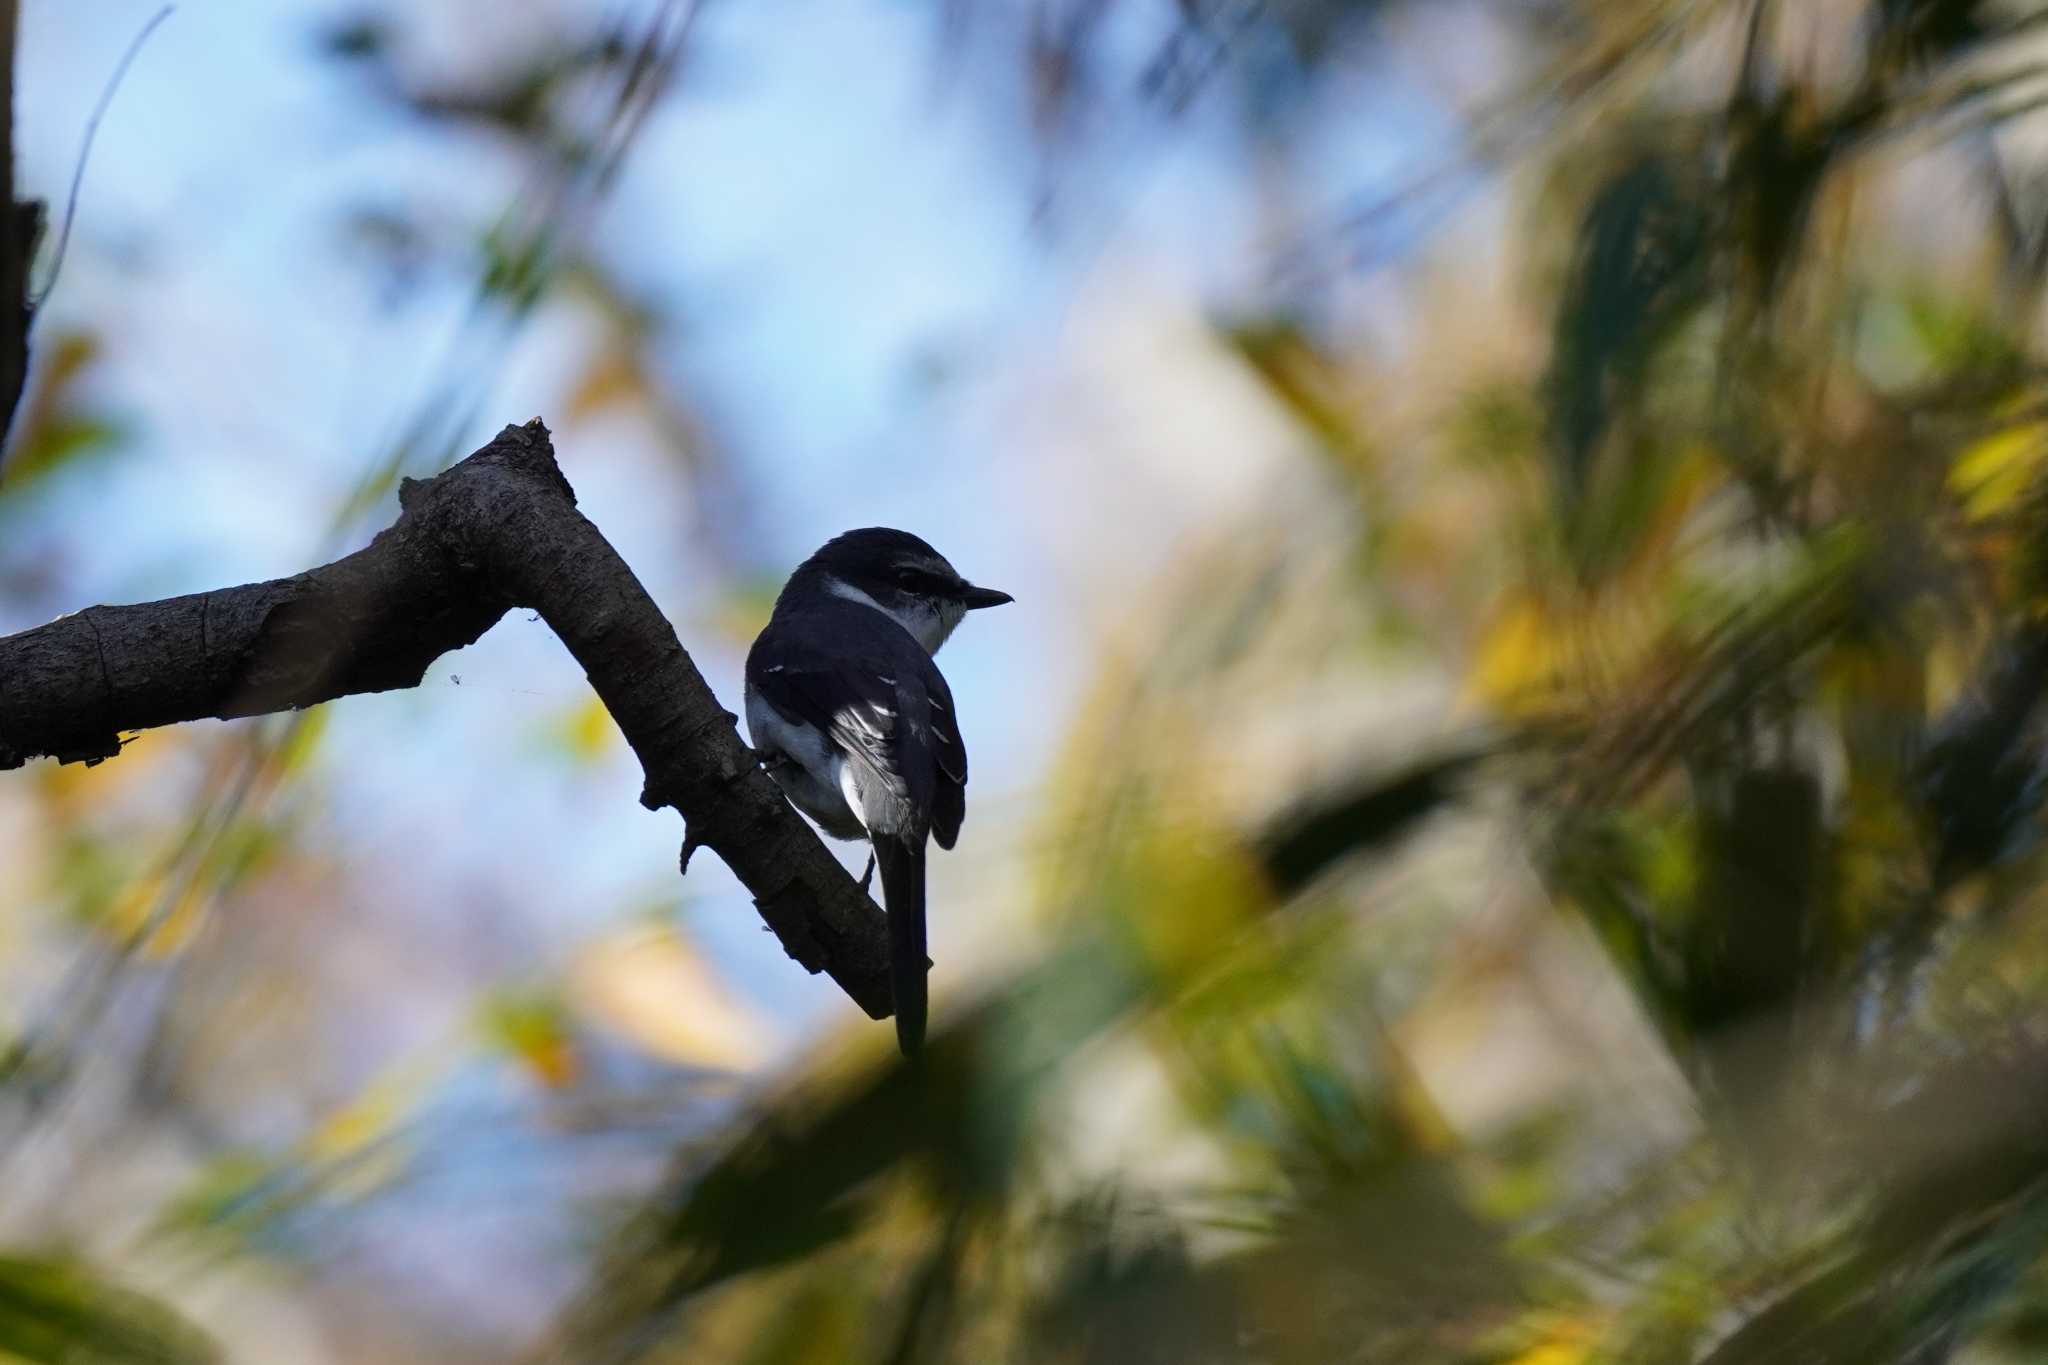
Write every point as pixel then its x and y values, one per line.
pixel 21 224
pixel 497 531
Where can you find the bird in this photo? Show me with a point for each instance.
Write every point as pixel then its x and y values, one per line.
pixel 852 718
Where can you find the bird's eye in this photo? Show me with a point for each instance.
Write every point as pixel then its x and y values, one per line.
pixel 908 578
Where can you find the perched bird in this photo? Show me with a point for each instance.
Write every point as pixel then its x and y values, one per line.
pixel 854 721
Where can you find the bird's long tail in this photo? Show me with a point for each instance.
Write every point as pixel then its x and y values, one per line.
pixel 902 867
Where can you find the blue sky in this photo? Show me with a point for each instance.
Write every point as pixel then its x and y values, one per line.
pixel 834 219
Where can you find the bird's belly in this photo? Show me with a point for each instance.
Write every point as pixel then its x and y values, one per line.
pixel 809 771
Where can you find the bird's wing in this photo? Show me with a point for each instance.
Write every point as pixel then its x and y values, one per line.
pixel 882 701
pixel 949 752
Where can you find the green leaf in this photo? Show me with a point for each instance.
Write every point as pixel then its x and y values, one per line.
pixel 1305 381
pixel 58 1311
pixel 808 1172
pixel 517 267
pixel 1639 269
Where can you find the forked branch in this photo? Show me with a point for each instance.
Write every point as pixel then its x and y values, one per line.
pixel 499 530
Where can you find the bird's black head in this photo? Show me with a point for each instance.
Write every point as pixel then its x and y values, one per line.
pixel 900 574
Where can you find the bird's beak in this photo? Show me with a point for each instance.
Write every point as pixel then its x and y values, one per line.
pixel 983 597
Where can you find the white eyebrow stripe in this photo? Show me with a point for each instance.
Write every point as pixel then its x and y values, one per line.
pixel 839 587
pixel 927 624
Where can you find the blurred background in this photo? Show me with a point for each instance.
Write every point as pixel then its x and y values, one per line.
pixel 1505 817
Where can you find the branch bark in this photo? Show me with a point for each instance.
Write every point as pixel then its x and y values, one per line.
pixel 20 226
pixel 499 530
pixel 13 260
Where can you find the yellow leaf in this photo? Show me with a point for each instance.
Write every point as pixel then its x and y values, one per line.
pixel 585 731
pixel 370 1116
pixel 651 987
pixel 1187 885
pixel 614 378
pixel 1991 475
pixel 1553 1353
pixel 1518 658
pixel 1566 1341
pixel 533 1028
pixel 301 739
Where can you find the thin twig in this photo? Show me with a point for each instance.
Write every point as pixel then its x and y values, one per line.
pixel 92 128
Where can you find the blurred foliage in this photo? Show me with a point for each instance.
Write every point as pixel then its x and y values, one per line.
pixel 55 1312
pixel 1675 990
pixel 57 424
pixel 1738 569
